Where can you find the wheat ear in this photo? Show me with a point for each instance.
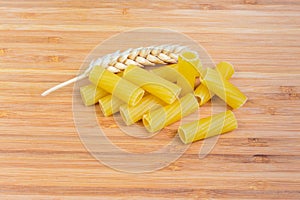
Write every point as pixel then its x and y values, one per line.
pixel 118 61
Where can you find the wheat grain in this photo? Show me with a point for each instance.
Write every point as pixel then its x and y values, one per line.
pixel 118 61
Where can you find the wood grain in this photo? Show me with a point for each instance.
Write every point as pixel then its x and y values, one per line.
pixel 44 42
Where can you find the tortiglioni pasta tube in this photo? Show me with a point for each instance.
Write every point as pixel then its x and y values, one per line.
pixel 223 88
pixel 150 82
pixel 189 67
pixel 90 94
pixel 226 69
pixel 202 93
pixel 169 72
pixel 157 119
pixel 184 84
pixel 117 86
pixel 110 105
pixel 132 114
pixel 207 127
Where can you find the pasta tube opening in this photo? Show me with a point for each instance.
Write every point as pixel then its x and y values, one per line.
pixel 202 94
pixel 146 122
pixel 189 63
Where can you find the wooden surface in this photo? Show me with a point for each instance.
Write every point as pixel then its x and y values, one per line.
pixel 43 43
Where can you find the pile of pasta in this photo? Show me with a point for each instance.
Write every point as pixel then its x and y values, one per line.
pixel 164 95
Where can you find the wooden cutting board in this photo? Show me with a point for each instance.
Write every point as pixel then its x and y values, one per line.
pixel 43 43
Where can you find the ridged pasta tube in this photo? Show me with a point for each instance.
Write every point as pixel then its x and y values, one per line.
pixel 202 92
pixel 152 83
pixel 110 105
pixel 207 127
pixel 189 67
pixel 90 94
pixel 115 85
pixel 185 86
pixel 132 114
pixel 172 74
pixel 226 69
pixel 223 88
pixel 169 72
pixel 157 119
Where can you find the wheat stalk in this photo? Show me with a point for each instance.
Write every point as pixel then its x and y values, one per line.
pixel 118 61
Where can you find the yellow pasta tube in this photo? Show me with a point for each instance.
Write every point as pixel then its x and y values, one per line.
pixel 157 119
pixel 90 94
pixel 152 83
pixel 169 72
pixel 110 105
pixel 207 127
pixel 132 114
pixel 172 74
pixel 117 86
pixel 189 66
pixel 185 86
pixel 226 69
pixel 202 93
pixel 223 88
